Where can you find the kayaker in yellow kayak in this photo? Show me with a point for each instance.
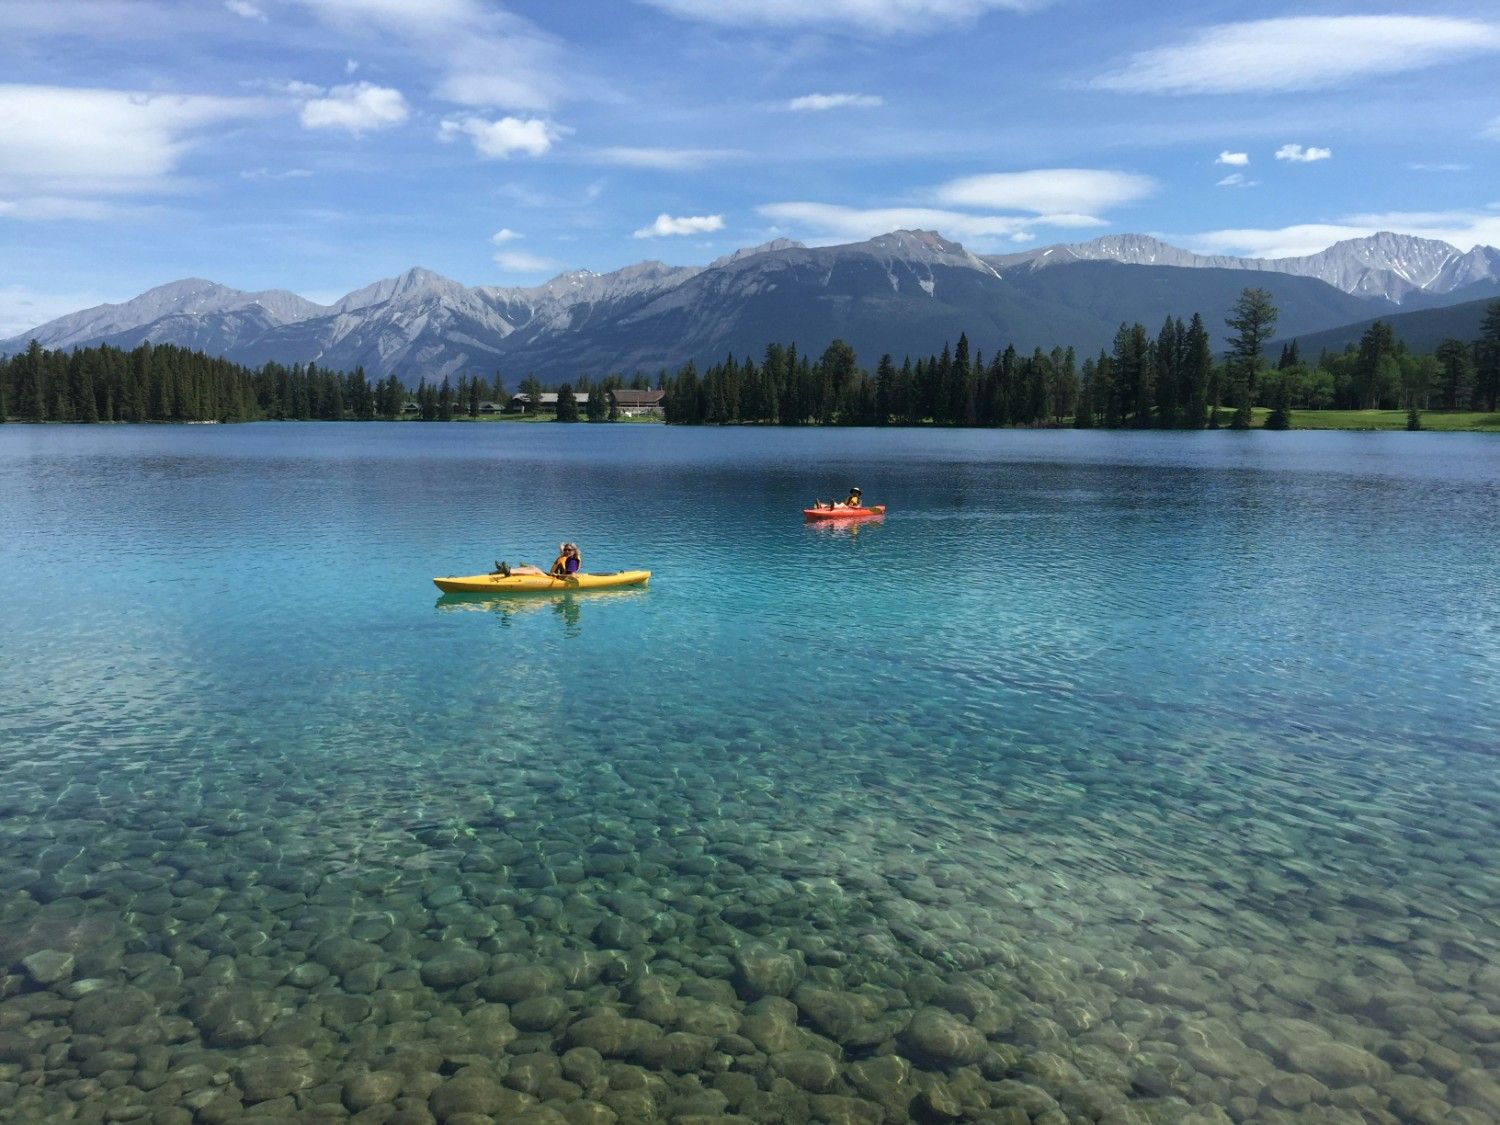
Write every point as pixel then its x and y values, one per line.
pixel 567 563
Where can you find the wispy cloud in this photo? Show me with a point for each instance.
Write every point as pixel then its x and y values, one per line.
pixel 268 174
pixel 1461 228
pixel 72 141
pixel 821 220
pixel 686 224
pixel 1491 131
pixel 1296 154
pixel 1416 166
pixel 246 10
pixel 1300 53
pixel 1237 179
pixel 504 235
pixel 485 57
pixel 834 101
pixel 521 262
pixel 666 159
pixel 1044 190
pixel 497 140
pixel 360 107
pixel 882 17
pixel 1235 158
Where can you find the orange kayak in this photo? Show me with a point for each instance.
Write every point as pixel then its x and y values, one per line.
pixel 844 513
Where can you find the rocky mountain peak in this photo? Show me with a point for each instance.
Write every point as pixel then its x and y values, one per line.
pixel 772 247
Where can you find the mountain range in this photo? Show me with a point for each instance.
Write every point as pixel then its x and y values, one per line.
pixel 907 292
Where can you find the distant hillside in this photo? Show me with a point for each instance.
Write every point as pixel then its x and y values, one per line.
pixel 1422 331
pixel 907 292
pixel 1109 293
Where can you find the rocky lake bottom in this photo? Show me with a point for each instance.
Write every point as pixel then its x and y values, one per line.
pixel 662 857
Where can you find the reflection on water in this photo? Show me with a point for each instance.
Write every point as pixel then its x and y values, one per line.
pixel 1179 806
pixel 567 606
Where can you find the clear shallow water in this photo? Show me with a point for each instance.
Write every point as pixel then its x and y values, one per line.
pixel 1116 776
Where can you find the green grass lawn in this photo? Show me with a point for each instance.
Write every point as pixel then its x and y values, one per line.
pixel 531 419
pixel 1473 420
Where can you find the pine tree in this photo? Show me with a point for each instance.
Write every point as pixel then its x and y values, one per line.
pixel 1083 413
pixel 1253 319
pixel 1167 356
pixel 531 391
pixel 1487 359
pixel 567 404
pixel 885 389
pixel 1376 370
pixel 1280 417
pixel 598 408
pixel 1457 379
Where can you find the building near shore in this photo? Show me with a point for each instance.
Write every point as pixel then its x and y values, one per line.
pixel 630 403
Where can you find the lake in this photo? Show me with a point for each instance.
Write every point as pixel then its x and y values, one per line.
pixel 1112 776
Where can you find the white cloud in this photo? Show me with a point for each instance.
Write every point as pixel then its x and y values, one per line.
pixel 830 219
pixel 835 101
pixel 1414 166
pixel 1237 179
pixel 267 174
pixel 359 107
pixel 57 141
pixel 54 208
pixel 288 86
pixel 687 224
pixel 351 65
pixel 485 57
pixel 666 159
pixel 246 10
pixel 497 140
pixel 504 235
pixel 1235 158
pixel 1464 229
pixel 1046 190
pixel 1491 131
pixel 878 16
pixel 1300 53
pixel 519 261
pixel 1296 154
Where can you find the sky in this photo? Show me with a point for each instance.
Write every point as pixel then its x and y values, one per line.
pixel 318 145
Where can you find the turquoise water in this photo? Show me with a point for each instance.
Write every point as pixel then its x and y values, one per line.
pixel 1116 777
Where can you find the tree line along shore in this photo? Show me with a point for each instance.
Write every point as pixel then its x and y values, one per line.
pixel 1170 379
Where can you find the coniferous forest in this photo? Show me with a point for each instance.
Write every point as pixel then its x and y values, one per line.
pixel 1171 379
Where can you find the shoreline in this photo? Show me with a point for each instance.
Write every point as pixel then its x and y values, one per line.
pixel 1349 421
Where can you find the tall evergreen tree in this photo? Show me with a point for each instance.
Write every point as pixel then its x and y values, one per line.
pixel 1253 320
pixel 1456 380
pixel 567 405
pixel 531 390
pixel 597 409
pixel 1487 359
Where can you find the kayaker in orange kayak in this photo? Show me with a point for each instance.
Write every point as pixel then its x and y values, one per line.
pixel 853 502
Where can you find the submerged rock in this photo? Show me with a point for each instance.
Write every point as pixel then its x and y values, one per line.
pixel 942 1038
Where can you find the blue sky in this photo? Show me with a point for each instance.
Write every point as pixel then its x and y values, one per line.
pixel 317 145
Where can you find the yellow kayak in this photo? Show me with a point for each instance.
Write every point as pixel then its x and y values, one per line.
pixel 539 583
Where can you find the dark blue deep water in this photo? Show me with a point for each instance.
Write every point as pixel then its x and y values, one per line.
pixel 1112 777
